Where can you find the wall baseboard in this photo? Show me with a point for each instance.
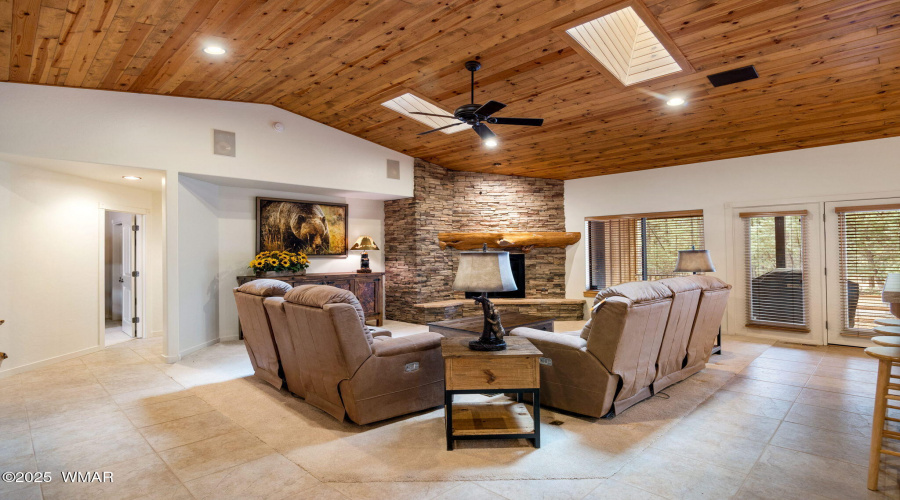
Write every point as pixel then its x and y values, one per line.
pixel 156 333
pixel 229 338
pixel 196 348
pixel 49 361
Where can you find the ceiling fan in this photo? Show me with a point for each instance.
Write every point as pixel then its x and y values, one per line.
pixel 478 115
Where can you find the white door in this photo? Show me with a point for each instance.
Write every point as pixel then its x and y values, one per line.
pixel 127 278
pixel 116 271
pixel 862 245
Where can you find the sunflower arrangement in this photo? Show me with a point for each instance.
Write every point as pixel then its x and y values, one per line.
pixel 279 261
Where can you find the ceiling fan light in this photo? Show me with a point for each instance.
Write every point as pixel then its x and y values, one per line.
pixel 214 50
pixel 675 101
pixel 491 143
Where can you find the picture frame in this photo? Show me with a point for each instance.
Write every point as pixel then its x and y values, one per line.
pixel 316 228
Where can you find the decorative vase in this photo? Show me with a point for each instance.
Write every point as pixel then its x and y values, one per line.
pixel 279 274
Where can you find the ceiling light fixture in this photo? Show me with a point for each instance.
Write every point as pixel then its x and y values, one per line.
pixel 131 177
pixel 214 50
pixel 491 143
pixel 675 101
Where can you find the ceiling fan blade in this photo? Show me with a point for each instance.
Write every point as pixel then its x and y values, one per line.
pixel 484 132
pixel 432 114
pixel 442 128
pixel 490 108
pixel 531 122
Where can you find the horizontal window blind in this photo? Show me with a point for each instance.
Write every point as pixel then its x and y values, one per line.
pixel 777 269
pixel 869 239
pixel 638 247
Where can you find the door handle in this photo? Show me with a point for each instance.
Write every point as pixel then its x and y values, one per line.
pixel 121 279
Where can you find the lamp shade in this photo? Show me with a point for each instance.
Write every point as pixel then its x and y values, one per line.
pixel 364 243
pixel 484 272
pixel 694 261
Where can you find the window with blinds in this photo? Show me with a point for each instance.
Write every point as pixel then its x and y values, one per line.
pixel 638 247
pixel 869 245
pixel 777 269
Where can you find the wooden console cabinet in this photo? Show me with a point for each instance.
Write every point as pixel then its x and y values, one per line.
pixel 368 288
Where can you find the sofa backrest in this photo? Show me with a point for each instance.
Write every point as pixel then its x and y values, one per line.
pixel 627 327
pixel 288 347
pixel 327 330
pixel 686 292
pixel 256 326
pixel 711 309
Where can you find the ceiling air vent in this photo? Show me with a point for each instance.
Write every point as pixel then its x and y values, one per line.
pixel 733 76
pixel 407 103
pixel 627 42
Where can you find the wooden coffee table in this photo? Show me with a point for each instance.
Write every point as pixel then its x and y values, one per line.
pixel 513 370
pixel 466 327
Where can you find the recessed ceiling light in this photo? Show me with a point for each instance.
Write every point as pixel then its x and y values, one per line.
pixel 131 177
pixel 491 143
pixel 214 50
pixel 675 101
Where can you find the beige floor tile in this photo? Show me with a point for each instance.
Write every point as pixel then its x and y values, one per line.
pixel 11 425
pixel 96 453
pixel 846 374
pixel 830 419
pixel 748 403
pixel 547 489
pixel 143 416
pixel 271 476
pixel 784 365
pixel 14 446
pixel 133 478
pixel 762 388
pixel 63 394
pixel 323 492
pixel 152 395
pixel 836 445
pixel 837 401
pixel 704 444
pixel 187 430
pixel 78 431
pixel 735 423
pixel 841 385
pixel 30 492
pixel 469 491
pixel 851 363
pixel 611 489
pixel 674 476
pixel 794 473
pixel 47 413
pixel 23 463
pixel 759 488
pixel 110 357
pixel 198 459
pixel 397 490
pixel 802 354
pixel 144 381
pixel 777 376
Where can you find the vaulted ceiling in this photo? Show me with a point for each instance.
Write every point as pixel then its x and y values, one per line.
pixel 828 71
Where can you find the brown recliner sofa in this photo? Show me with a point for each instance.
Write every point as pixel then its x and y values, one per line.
pixel 639 333
pixel 340 367
pixel 257 327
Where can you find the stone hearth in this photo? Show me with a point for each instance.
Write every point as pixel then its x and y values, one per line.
pixel 418 271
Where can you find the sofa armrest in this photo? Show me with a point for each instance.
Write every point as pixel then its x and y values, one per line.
pixel 378 331
pixel 574 342
pixel 392 346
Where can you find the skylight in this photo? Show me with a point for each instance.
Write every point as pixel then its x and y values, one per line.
pixel 407 103
pixel 623 43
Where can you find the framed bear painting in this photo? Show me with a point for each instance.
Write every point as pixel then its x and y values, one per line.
pixel 317 229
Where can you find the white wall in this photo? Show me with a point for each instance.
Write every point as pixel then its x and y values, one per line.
pixel 175 135
pixel 51 293
pixel 861 168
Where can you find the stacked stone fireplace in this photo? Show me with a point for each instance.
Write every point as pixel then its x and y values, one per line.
pixel 419 274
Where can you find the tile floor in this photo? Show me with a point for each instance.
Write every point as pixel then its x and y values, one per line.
pixel 792 423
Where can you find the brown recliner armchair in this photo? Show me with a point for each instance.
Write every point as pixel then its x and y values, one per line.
pixel 345 370
pixel 691 349
pixel 257 327
pixel 610 365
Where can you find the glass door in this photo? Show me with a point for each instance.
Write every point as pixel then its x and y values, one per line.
pixel 862 245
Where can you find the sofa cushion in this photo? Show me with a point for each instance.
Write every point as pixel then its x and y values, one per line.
pixel 319 295
pixel 265 288
pixel 636 291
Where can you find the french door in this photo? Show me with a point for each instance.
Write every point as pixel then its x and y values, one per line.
pixel 862 245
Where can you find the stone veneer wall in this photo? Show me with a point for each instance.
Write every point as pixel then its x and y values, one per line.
pixel 418 271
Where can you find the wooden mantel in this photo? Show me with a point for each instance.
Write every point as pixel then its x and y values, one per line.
pixel 525 241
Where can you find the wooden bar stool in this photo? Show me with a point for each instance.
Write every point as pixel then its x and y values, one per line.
pixel 887 341
pixel 887 330
pixel 888 321
pixel 886 357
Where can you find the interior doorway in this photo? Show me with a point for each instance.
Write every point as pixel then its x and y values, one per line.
pixel 123 273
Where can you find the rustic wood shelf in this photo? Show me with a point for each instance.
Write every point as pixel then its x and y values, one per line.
pixel 479 419
pixel 525 241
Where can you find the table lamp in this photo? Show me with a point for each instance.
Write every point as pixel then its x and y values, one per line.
pixel 485 272
pixel 694 261
pixel 364 243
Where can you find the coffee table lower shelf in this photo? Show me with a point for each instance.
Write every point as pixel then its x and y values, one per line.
pixel 495 420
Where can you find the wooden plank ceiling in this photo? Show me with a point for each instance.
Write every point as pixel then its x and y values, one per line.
pixel 828 71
